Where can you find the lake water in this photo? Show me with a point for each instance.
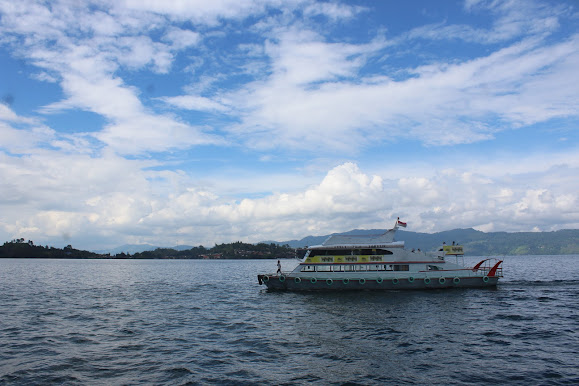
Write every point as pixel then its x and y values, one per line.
pixel 209 322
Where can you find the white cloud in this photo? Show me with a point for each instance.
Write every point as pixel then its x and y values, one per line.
pixel 86 65
pixel 305 104
pixel 302 57
pixel 133 129
pixel 181 38
pixel 202 11
pixel 22 134
pixel 138 51
pixel 102 24
pixel 193 102
pixel 24 140
pixel 144 132
pixel 315 95
pixel 333 11
pixel 8 115
pixel 117 201
pixel 512 20
pixel 101 94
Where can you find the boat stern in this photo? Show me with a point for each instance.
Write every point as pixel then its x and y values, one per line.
pixel 272 281
pixel 262 279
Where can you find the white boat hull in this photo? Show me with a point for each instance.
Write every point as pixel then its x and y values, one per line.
pixel 295 283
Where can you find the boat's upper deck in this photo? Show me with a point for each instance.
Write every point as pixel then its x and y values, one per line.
pixel 385 239
pixel 367 249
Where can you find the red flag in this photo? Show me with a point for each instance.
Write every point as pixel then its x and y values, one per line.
pixel 401 224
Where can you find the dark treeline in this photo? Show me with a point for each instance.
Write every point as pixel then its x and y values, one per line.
pixel 238 250
pixel 21 248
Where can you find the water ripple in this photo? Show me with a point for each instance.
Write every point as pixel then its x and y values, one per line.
pixel 209 322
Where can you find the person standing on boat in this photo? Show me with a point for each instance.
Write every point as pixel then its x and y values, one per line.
pixel 278 268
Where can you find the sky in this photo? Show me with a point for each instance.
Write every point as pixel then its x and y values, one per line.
pixel 212 121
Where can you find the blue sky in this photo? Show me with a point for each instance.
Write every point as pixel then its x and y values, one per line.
pixel 202 122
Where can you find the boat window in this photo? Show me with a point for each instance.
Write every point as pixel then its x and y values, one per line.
pixel 362 268
pixel 388 267
pixel 332 252
pixel 433 268
pixel 349 252
pixel 338 268
pixel 323 268
pixel 307 268
pixel 401 267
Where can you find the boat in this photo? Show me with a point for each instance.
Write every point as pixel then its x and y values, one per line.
pixel 378 262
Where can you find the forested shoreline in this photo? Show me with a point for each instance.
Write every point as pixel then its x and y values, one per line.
pixel 19 248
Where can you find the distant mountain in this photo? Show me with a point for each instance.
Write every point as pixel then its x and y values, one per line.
pixel 476 243
pixel 182 247
pixel 139 248
pixel 129 249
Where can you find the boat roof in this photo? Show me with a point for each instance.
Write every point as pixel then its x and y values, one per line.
pixel 385 239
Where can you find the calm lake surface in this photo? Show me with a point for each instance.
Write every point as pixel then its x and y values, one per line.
pixel 209 322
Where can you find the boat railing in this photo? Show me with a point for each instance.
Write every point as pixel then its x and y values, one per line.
pixel 489 267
